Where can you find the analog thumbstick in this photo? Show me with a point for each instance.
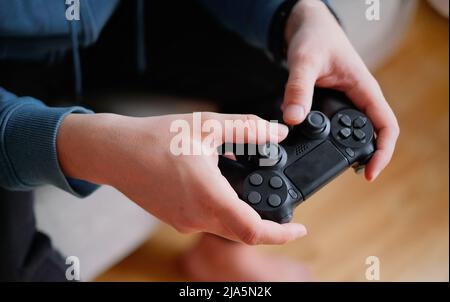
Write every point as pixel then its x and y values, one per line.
pixel 270 154
pixel 316 125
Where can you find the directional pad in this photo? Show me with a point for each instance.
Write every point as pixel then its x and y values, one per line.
pixel 274 200
pixel 265 189
pixel 256 179
pixel 276 182
pixel 254 197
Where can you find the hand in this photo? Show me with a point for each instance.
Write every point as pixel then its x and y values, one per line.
pixel 319 53
pixel 186 191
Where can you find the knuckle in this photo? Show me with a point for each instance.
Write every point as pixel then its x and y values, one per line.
pixel 374 86
pixel 285 239
pixel 252 117
pixel 207 115
pixel 361 85
pixel 295 89
pixel 370 81
pixel 250 236
pixel 364 78
pixel 178 228
pixel 306 59
pixel 251 122
pixel 182 228
pixel 396 129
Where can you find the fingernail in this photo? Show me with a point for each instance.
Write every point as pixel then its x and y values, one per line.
pixel 374 176
pixel 277 129
pixel 283 130
pixel 294 113
pixel 301 230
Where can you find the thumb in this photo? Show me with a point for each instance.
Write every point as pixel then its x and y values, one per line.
pixel 298 94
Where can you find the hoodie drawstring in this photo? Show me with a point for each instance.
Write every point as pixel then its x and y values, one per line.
pixel 140 49
pixel 76 62
pixel 140 37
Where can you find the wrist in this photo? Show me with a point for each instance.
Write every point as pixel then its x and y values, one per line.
pixel 277 45
pixel 80 146
pixel 302 9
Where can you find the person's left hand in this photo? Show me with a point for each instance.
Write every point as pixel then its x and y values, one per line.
pixel 320 54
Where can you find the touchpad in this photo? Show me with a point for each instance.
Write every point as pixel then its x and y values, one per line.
pixel 316 168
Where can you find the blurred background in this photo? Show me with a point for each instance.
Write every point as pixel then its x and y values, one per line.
pixel 402 218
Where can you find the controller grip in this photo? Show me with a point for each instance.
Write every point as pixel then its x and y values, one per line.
pixel 234 171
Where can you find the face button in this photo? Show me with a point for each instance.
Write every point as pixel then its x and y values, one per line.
pixel 359 122
pixel 345 120
pixel 352 136
pixel 256 179
pixel 274 200
pixel 350 152
pixel 293 194
pixel 276 182
pixel 359 134
pixel 345 132
pixel 254 197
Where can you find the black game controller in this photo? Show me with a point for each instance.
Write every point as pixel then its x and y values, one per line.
pixel 333 137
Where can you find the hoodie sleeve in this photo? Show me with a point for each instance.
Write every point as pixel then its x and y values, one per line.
pixel 251 19
pixel 28 156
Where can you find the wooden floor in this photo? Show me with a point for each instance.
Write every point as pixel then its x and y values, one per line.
pixel 402 218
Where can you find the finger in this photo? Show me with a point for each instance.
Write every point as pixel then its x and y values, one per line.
pixel 248 128
pixel 242 223
pixel 225 232
pixel 299 92
pixel 385 148
pixel 367 96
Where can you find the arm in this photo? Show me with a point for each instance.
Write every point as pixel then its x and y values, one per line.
pixel 140 157
pixel 43 145
pixel 249 18
pixel 28 155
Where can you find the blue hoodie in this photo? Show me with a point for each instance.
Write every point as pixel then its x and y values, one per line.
pixel 39 30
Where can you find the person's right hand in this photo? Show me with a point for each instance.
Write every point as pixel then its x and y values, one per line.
pixel 320 54
pixel 186 191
